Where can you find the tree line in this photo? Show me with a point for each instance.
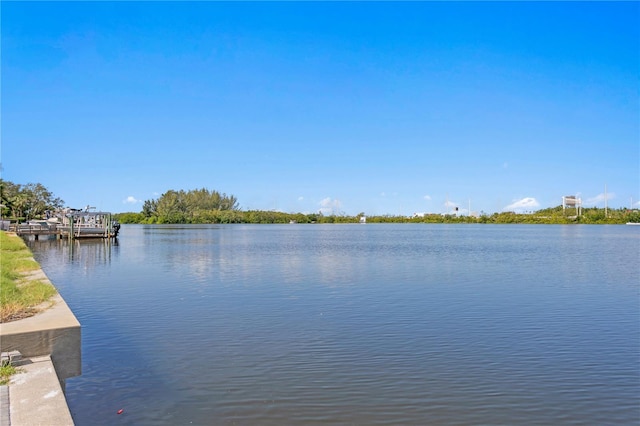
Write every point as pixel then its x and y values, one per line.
pixel 200 206
pixel 554 215
pixel 194 206
pixel 24 202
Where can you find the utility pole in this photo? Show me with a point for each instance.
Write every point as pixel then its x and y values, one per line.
pixel 605 201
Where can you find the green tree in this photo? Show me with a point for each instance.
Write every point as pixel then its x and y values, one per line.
pixel 40 200
pixel 149 208
pixel 171 207
pixel 129 217
pixel 194 206
pixel 27 201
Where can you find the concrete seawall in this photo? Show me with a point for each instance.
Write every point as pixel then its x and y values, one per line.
pixel 35 397
pixel 50 345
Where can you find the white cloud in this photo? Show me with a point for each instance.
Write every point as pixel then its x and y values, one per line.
pixel 131 200
pixel 329 206
pixel 300 198
pixel 450 204
pixel 600 198
pixel 427 197
pixel 522 205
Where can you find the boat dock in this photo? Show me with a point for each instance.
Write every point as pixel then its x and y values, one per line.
pixel 34 229
pixel 71 224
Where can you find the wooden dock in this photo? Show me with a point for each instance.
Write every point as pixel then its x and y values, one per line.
pixel 60 231
pixel 35 229
pixel 70 223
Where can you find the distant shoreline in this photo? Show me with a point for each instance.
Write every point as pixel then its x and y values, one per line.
pixel 551 216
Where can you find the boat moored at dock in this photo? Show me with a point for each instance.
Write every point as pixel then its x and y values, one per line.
pixel 73 223
pixel 88 224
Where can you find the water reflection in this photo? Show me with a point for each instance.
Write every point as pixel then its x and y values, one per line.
pixel 298 324
pixel 85 252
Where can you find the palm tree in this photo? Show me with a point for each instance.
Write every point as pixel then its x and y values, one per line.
pixel 19 204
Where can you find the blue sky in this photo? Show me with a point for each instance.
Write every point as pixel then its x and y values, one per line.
pixel 382 108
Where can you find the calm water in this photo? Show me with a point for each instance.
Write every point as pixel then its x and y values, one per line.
pixel 355 324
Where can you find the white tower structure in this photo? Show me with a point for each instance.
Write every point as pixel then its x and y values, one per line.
pixel 572 201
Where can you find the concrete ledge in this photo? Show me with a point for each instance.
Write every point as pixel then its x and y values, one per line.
pixel 4 406
pixel 36 397
pixel 55 332
pixel 47 350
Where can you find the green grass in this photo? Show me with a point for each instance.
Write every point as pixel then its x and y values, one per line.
pixel 6 371
pixel 19 295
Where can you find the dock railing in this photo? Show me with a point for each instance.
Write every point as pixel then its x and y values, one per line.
pixel 34 229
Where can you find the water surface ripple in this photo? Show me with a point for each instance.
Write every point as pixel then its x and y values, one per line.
pixel 354 324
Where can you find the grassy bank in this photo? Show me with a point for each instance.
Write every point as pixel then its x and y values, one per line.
pixel 19 294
